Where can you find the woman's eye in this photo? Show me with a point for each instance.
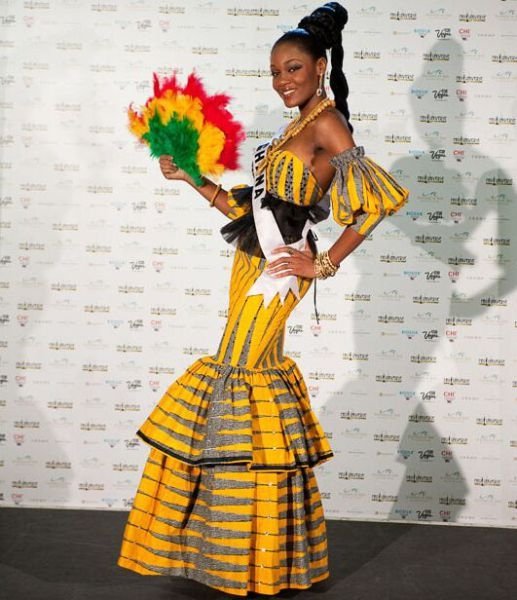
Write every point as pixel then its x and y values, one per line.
pixel 295 68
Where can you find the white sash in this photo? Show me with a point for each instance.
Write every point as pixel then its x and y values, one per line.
pixel 270 237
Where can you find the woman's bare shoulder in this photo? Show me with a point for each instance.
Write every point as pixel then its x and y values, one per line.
pixel 332 133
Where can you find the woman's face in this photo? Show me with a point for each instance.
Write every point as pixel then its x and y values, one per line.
pixel 295 74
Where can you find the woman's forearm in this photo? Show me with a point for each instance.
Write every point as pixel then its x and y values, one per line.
pixel 214 193
pixel 346 243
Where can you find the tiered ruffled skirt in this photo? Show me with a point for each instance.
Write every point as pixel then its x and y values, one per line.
pixel 228 496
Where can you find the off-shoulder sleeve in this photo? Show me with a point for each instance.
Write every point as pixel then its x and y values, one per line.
pixel 362 193
pixel 239 200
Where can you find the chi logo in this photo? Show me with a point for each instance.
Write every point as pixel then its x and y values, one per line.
pixel 19 438
pixel 156 324
pixel 464 33
pixel 447 455
pixel 449 396
pixel 22 320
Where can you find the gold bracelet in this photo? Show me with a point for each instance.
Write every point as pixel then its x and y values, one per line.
pixel 216 193
pixel 323 266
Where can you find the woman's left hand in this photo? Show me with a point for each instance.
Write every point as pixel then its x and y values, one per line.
pixel 297 262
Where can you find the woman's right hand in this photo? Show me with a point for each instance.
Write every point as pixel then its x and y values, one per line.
pixel 170 169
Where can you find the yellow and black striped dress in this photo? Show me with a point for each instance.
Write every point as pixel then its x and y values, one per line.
pixel 228 496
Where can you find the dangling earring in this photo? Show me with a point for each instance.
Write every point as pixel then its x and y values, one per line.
pixel 320 89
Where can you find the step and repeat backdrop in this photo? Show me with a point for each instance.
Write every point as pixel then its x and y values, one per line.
pixel 113 280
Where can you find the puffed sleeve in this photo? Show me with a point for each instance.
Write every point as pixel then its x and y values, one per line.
pixel 239 200
pixel 362 193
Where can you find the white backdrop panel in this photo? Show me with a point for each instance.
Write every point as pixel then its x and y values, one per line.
pixel 112 280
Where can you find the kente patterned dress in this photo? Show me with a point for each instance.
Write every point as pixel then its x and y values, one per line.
pixel 228 496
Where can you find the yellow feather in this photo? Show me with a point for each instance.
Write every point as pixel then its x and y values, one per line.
pixel 181 105
pixel 211 143
pixel 137 125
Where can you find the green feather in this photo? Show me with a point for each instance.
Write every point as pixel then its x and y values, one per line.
pixel 179 139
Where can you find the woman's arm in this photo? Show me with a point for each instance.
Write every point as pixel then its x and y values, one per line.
pixel 301 263
pixel 208 189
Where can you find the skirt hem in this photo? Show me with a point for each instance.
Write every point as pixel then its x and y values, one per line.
pixel 125 563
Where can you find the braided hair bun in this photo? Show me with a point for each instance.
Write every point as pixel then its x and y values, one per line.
pixel 326 24
pixel 317 32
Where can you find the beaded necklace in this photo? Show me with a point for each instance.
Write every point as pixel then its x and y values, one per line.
pixel 294 129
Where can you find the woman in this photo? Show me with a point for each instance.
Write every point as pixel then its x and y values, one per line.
pixel 228 496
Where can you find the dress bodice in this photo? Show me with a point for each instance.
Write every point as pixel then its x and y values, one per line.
pixel 289 178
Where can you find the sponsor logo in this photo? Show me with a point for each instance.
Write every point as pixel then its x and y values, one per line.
pixel 489 421
pixel 23 484
pixel 472 18
pixel 403 16
pixel 403 513
pixel 358 297
pixel 363 116
pixel 350 415
pixel 502 121
pixel 489 301
pixel 421 299
pixel 386 437
pixel 88 487
pixel 487 482
pixel 349 475
pixel 498 181
pixel 424 514
pixel 454 440
pixel 354 356
pixel 433 179
pixel 418 478
pixel 444 33
pixel 57 464
pixel 367 55
pixel 392 258
pixel 421 418
pixel 381 497
pixel 252 12
pixel 504 58
pixel 428 239
pixel 386 319
pixel 321 376
pixel 397 139
pixel 87 426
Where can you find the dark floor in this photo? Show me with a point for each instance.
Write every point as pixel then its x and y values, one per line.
pixel 71 555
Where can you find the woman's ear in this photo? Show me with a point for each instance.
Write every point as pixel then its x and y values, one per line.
pixel 321 65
